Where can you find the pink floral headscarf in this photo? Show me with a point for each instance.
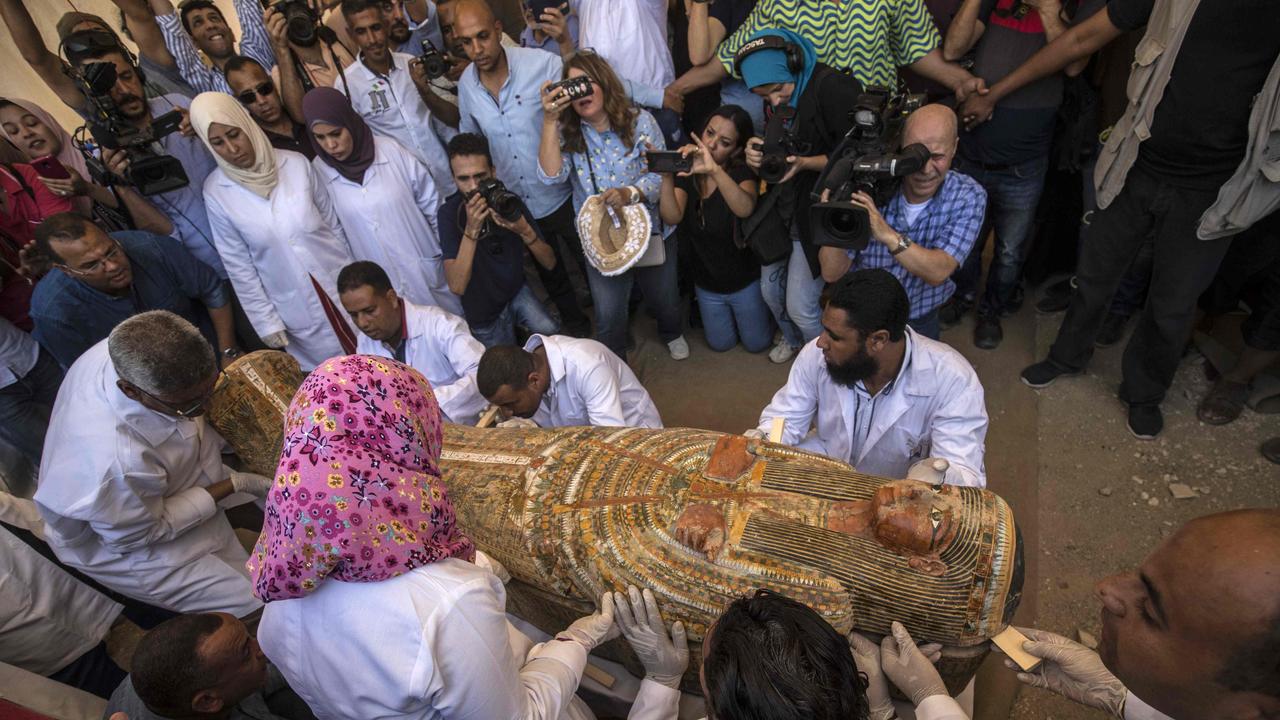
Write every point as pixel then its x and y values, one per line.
pixel 357 494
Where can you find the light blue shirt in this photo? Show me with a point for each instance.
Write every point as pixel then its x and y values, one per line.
pixel 185 206
pixel 428 29
pixel 513 124
pixel 549 43
pixel 614 165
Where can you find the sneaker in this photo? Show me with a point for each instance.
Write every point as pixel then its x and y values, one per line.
pixel 1112 330
pixel 953 311
pixel 781 352
pixel 1057 296
pixel 1043 373
pixel 679 348
pixel 1145 421
pixel 987 333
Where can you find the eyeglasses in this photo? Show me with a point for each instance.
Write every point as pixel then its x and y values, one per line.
pixel 88 42
pixel 195 410
pixel 266 89
pixel 111 256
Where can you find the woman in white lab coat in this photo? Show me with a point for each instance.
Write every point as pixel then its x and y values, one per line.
pixel 377 604
pixel 384 197
pixel 282 249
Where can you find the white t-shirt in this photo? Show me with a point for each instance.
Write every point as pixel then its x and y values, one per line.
pixel 912 210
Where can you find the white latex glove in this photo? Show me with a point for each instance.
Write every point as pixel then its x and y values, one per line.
pixel 251 483
pixel 492 565
pixel 1071 670
pixel 276 340
pixel 593 629
pixel 930 470
pixel 908 667
pixel 754 434
pixel 866 655
pixel 517 422
pixel 664 658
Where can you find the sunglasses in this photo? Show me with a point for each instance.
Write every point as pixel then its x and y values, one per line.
pixel 90 41
pixel 265 89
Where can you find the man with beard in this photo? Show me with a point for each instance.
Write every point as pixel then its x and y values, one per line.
pixel 1194 632
pixel 884 398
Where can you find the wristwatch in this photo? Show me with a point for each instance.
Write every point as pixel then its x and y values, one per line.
pixel 904 242
pixel 231 353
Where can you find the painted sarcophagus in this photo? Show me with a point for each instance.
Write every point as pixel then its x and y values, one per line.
pixel 703 518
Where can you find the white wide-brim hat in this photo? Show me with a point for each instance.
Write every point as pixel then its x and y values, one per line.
pixel 613 249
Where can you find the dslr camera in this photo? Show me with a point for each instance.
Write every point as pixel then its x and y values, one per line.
pixel 866 160
pixel 301 22
pixel 779 144
pixel 149 171
pixel 574 87
pixel 435 62
pixel 504 203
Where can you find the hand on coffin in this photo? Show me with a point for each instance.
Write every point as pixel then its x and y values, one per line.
pixel 754 434
pixel 1071 670
pixel 276 340
pixel 664 658
pixel 930 470
pixel 909 667
pixel 701 527
pixel 251 483
pixel 517 422
pixel 595 629
pixel 866 654
pixel 492 565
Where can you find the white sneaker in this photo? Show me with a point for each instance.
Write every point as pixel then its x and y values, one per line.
pixel 782 352
pixel 679 348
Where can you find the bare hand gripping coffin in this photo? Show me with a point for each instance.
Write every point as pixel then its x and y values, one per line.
pixel 703 518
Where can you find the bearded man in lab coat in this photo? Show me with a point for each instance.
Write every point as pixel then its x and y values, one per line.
pixel 132 474
pixel 433 341
pixel 885 399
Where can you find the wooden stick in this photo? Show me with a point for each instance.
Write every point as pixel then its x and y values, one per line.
pixel 487 417
pixel 1010 641
pixel 776 428
pixel 599 675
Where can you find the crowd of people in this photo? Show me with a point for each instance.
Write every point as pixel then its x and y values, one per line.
pixel 488 208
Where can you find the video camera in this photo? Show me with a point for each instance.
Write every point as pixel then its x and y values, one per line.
pixel 504 203
pixel 301 22
pixel 866 160
pixel 435 62
pixel 149 171
pixel 779 144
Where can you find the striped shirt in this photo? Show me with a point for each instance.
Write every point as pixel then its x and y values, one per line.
pixel 868 38
pixel 254 43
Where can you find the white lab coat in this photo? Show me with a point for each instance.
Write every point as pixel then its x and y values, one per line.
pixel 123 500
pixel 590 385
pixel 431 644
pixel 659 702
pixel 273 246
pixel 440 346
pixel 1135 708
pixel 390 219
pixel 392 106
pixel 935 408
pixel 47 618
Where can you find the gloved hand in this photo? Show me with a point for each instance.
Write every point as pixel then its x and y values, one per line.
pixel 1071 670
pixel 931 470
pixel 908 667
pixel 517 422
pixel 593 629
pixel 754 434
pixel 276 340
pixel 492 565
pixel 866 655
pixel 664 658
pixel 251 483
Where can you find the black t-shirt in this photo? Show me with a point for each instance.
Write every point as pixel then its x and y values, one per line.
pixel 497 270
pixel 1201 126
pixel 718 264
pixel 297 142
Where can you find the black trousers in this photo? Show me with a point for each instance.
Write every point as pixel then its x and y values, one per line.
pixel 1182 267
pixel 558 229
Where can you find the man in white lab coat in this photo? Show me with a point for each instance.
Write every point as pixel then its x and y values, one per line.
pixel 428 339
pixel 883 397
pixel 132 474
pixel 560 381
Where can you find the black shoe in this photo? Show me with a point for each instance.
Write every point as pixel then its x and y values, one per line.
pixel 1112 330
pixel 1057 297
pixel 987 334
pixel 953 311
pixel 1145 421
pixel 1015 303
pixel 1043 373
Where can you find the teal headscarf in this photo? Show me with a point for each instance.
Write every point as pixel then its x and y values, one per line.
pixel 765 67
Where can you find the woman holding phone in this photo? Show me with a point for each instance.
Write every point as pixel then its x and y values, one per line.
pixel 62 169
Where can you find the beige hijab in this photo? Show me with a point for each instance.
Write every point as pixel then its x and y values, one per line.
pixel 221 108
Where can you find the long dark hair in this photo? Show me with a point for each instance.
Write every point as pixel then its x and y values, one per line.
pixel 742 124
pixel 617 106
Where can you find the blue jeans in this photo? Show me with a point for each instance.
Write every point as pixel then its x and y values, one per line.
pixel 927 325
pixel 728 317
pixel 773 288
pixel 26 404
pixel 525 310
pixel 1012 195
pixel 804 292
pixel 611 294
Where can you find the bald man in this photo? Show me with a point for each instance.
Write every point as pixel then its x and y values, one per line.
pixel 926 229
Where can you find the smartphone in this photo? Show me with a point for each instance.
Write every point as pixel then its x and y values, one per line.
pixel 48 166
pixel 574 87
pixel 537 7
pixel 668 161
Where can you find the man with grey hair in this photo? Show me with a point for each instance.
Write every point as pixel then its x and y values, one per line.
pixel 132 474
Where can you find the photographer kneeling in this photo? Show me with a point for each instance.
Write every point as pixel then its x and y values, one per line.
pixel 927 228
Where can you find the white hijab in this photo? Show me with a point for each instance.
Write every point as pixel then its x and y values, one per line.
pixel 221 108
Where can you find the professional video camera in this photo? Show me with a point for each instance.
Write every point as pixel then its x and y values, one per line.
pixel 865 160
pixel 504 203
pixel 435 62
pixel 149 171
pixel 779 144
pixel 301 22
